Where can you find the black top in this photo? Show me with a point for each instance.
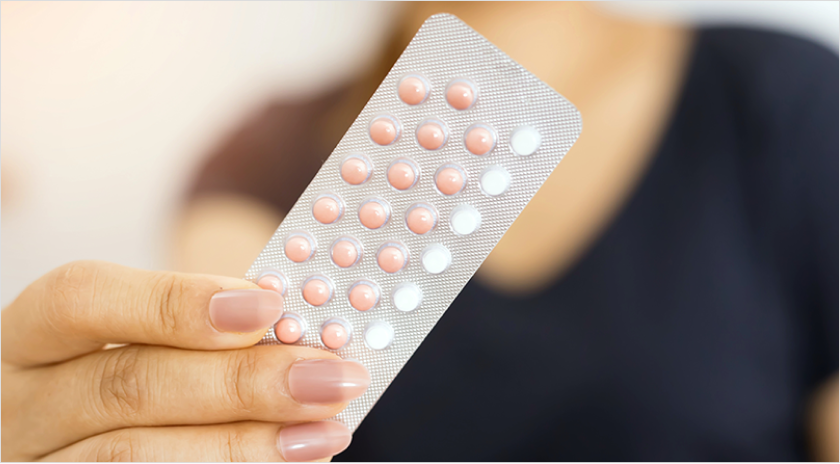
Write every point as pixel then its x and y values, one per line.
pixel 693 329
pixel 699 322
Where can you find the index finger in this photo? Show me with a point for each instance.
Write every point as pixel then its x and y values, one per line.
pixel 82 306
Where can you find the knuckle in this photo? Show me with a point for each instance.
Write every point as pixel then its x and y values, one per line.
pixel 72 288
pixel 240 380
pixel 233 445
pixel 165 300
pixel 74 275
pixel 119 446
pixel 122 383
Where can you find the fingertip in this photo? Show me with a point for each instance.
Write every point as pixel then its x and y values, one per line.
pixel 229 283
pixel 299 353
pixel 313 441
pixel 327 381
pixel 245 310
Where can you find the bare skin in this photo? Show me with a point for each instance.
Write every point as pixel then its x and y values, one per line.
pixel 626 78
pixel 67 398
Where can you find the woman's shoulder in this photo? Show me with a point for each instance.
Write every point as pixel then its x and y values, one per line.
pixel 750 46
pixel 779 93
pixel 770 66
pixel 767 103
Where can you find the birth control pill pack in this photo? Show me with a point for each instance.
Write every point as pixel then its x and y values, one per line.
pixel 440 162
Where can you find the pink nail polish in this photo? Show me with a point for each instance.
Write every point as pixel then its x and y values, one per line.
pixel 327 380
pixel 245 310
pixel 315 440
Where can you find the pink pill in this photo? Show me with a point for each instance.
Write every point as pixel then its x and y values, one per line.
pixel 334 335
pixel 479 140
pixel 363 297
pixel 288 330
pixel 460 95
pixel 316 292
pixel 391 259
pixel 326 210
pixel 431 135
pixel 412 90
pixel 354 171
pixel 450 181
pixel 401 175
pixel 272 282
pixel 298 248
pixel 421 219
pixel 383 131
pixel 344 253
pixel 373 215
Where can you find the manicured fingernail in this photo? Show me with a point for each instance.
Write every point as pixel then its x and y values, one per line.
pixel 315 440
pixel 327 380
pixel 245 310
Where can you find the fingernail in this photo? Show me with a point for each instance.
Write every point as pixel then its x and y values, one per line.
pixel 315 440
pixel 245 310
pixel 327 380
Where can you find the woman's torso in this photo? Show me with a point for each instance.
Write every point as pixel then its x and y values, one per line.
pixel 686 332
pixel 691 329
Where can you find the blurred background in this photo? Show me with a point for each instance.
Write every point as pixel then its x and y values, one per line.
pixel 106 109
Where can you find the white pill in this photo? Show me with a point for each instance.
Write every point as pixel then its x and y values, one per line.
pixel 406 297
pixel 464 219
pixel 525 140
pixel 379 335
pixel 494 181
pixel 436 259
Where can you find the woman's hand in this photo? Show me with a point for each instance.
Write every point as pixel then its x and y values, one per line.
pixel 189 386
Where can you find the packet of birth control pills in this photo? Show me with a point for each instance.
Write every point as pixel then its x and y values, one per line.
pixel 440 162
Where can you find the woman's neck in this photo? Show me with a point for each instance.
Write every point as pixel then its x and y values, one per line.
pixel 547 38
pixel 624 77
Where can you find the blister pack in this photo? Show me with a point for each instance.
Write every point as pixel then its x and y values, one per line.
pixel 437 166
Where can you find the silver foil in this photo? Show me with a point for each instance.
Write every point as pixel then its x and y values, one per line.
pixel 508 97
